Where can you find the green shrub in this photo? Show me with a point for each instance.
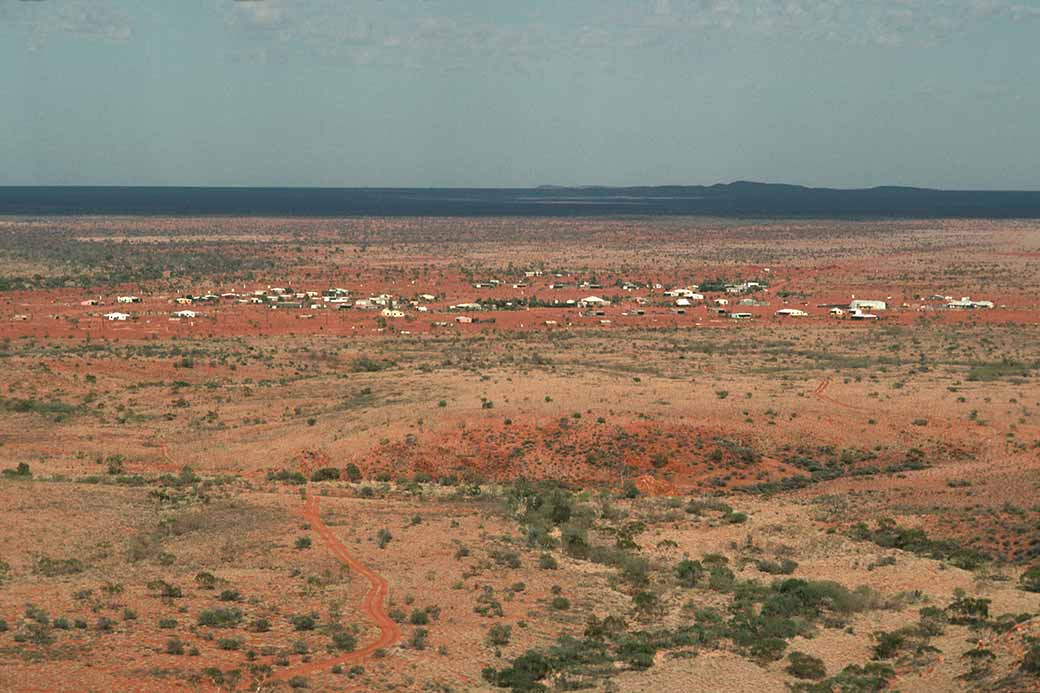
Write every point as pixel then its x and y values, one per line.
pixel 852 679
pixel 888 645
pixel 768 649
pixel 165 589
pixel 206 581
pixel 890 535
pixel 499 635
pixel 364 364
pixel 287 476
pixel 344 641
pixel 383 538
pixel 22 471
pixel 1030 579
pixel 419 638
pixel 55 567
pixel 783 567
pixel 220 617
pixel 304 621
pixel 325 474
pixel 1031 660
pixel 524 674
pixel 505 558
pixel 560 603
pixel 966 611
pixel 689 573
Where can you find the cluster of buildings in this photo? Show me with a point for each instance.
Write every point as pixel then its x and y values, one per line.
pixel 732 300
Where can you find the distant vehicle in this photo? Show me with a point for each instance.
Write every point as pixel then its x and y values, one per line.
pixel 741 316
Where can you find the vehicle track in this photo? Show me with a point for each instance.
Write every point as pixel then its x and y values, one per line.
pixel 820 393
pixel 372 605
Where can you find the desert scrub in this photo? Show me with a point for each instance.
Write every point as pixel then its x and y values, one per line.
pixel 383 537
pixel 220 617
pixel 344 641
pixel 54 567
pixel 890 535
pixel 1030 579
pixel 499 635
pixel 304 621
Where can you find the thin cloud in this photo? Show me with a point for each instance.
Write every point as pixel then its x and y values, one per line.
pixel 92 19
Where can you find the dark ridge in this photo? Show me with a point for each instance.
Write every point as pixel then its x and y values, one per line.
pixel 738 199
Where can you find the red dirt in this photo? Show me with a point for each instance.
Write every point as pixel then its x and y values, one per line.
pixel 372 605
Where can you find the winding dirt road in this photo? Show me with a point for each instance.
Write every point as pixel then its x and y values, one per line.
pixel 372 605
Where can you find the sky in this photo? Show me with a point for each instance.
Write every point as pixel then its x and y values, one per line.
pixel 502 93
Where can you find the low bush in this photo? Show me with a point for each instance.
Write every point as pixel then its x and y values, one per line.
pixel 803 666
pixel 220 617
pixel 325 474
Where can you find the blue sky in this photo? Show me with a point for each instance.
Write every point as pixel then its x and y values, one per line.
pixel 849 93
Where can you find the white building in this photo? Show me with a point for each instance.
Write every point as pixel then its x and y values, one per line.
pixel 967 303
pixel 593 302
pixel 185 314
pixel 791 313
pixel 866 304
pixel 117 316
pixel 684 293
pixel 128 299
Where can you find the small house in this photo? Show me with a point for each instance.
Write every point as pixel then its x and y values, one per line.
pixel 593 302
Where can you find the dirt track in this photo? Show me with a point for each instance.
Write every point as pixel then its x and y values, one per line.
pixel 820 393
pixel 372 605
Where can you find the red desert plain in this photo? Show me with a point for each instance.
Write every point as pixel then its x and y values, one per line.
pixel 492 454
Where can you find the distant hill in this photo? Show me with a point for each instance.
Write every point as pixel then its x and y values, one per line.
pixel 738 199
